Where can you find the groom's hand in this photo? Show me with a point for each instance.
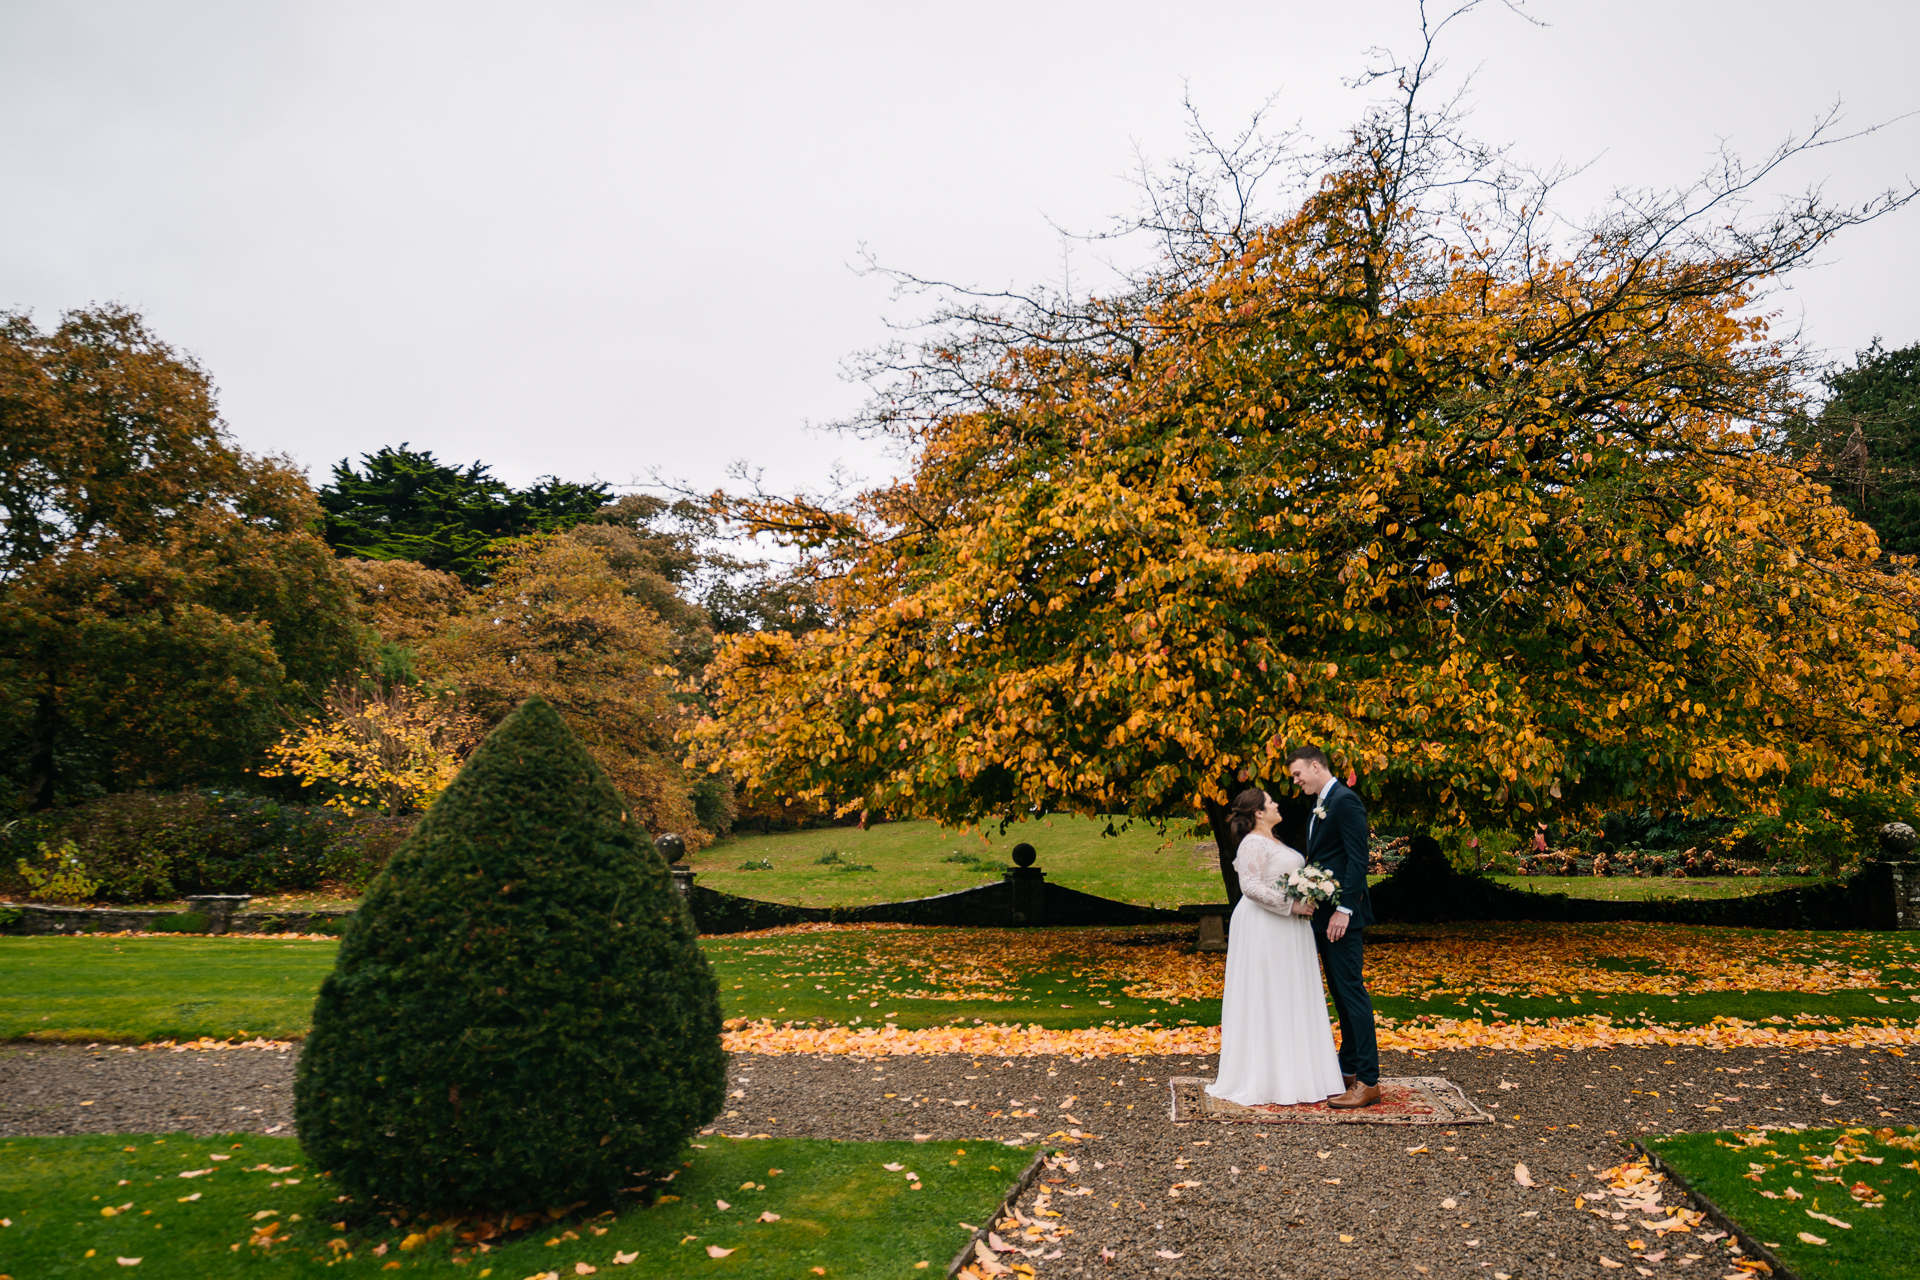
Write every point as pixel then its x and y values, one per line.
pixel 1337 926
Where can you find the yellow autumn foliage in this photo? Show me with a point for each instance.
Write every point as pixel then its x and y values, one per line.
pixel 1508 528
pixel 390 750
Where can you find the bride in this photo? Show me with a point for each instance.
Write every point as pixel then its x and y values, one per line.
pixel 1275 1042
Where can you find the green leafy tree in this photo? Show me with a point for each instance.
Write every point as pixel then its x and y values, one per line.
pixel 162 598
pixel 1865 442
pixel 520 1015
pixel 404 504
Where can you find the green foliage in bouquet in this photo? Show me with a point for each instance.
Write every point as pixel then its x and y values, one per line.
pixel 520 1015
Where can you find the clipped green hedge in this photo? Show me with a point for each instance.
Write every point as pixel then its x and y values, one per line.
pixel 520 1015
pixel 145 846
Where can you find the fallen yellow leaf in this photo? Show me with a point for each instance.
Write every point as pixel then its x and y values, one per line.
pixel 715 1251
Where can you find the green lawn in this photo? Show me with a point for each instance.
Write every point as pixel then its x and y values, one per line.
pixel 1635 889
pixel 837 1206
pixel 144 989
pixel 911 860
pixel 1865 1180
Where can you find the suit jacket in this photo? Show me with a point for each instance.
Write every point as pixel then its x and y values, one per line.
pixel 1338 842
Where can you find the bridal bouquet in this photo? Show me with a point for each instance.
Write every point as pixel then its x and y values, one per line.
pixel 1312 884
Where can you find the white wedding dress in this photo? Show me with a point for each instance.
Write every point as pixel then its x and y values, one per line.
pixel 1276 1045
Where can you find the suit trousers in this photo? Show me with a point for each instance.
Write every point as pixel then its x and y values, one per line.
pixel 1359 1045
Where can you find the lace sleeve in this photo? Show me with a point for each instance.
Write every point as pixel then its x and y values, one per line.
pixel 1254 863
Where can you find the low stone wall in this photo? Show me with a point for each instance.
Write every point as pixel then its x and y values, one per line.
pixel 988 906
pixel 25 920
pixel 1887 895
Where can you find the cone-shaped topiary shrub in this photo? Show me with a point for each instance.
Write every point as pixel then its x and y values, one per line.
pixel 520 1015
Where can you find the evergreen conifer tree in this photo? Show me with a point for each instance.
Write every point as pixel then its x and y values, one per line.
pixel 520 1015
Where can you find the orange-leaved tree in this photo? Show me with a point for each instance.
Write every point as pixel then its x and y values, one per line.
pixel 1506 525
pixel 556 620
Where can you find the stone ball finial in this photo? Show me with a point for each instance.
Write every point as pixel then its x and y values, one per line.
pixel 671 846
pixel 1897 840
pixel 1024 855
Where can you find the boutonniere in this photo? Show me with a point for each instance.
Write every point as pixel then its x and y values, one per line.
pixel 1320 809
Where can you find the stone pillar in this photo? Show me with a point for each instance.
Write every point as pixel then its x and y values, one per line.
pixel 218 908
pixel 1026 887
pixel 674 850
pixel 1886 893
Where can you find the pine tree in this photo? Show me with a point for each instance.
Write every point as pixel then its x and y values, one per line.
pixel 520 1015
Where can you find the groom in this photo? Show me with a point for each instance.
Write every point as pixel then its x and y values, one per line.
pixel 1337 840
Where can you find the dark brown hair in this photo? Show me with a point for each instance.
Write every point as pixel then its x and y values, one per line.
pixel 1246 807
pixel 1310 753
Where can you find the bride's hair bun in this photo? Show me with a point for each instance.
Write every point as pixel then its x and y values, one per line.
pixel 1246 807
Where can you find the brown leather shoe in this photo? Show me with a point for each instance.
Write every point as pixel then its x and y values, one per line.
pixel 1349 1081
pixel 1360 1095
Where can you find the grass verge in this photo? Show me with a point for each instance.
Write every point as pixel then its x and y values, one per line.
pixel 1829 1202
pixel 143 989
pixel 793 1205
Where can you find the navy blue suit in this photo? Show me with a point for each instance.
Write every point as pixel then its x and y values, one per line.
pixel 1338 842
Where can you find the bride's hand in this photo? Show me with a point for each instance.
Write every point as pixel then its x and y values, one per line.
pixel 1303 908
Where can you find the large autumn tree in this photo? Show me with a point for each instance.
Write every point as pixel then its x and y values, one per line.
pixel 557 621
pixel 163 600
pixel 1496 519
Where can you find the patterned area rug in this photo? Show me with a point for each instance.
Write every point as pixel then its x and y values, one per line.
pixel 1408 1100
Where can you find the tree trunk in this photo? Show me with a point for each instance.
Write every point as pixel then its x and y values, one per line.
pixel 40 753
pixel 1224 841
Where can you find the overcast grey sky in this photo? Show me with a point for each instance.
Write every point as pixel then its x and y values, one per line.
pixel 595 239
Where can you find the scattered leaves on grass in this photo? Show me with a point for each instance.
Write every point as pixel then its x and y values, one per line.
pixel 1496 958
pixel 745 1035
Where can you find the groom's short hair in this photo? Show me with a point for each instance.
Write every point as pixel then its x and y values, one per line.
pixel 1310 753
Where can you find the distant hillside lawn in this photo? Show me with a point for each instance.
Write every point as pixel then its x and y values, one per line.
pixel 911 860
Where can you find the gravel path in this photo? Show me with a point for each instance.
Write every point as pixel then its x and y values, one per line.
pixel 58 1089
pixel 1268 1200
pixel 1274 1200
